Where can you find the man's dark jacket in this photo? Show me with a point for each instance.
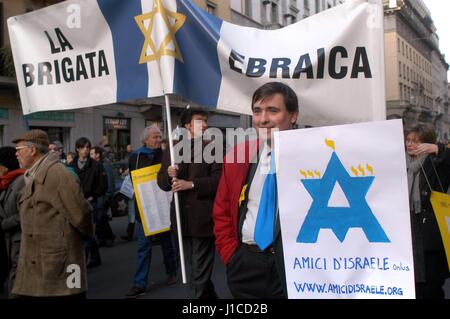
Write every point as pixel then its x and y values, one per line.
pixel 196 205
pixel 93 179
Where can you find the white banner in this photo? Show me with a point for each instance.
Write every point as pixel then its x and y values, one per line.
pixel 82 53
pixel 344 211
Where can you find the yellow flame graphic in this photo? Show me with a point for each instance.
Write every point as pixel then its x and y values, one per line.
pixel 361 169
pixel 303 173
pixel 317 173
pixel 330 143
pixel 369 168
pixel 355 171
pixel 310 173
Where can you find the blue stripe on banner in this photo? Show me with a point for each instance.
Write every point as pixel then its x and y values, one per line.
pixel 132 77
pixel 199 77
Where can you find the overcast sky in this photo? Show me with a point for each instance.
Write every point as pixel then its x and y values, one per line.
pixel 440 13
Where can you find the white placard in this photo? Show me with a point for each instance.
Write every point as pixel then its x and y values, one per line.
pixel 344 211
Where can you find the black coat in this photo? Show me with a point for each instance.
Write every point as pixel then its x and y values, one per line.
pixel 141 160
pixel 196 205
pixel 93 179
pixel 3 261
pixel 430 260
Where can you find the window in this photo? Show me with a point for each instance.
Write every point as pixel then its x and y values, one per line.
pixel 211 7
pixel 248 8
pixel 263 13
pixel 398 45
pixel 306 4
pixel 400 69
pixel 290 19
pixel 403 48
pixel 274 13
pixel 317 4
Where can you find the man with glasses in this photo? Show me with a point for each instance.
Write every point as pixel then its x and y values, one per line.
pixel 57 148
pixel 54 217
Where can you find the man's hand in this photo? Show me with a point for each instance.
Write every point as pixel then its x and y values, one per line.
pixel 172 171
pixel 180 185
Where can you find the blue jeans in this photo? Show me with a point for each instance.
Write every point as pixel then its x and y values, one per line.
pixel 131 211
pixel 144 255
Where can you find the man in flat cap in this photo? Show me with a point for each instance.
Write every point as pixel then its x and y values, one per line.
pixel 54 218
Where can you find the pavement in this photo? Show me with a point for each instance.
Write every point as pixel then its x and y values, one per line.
pixel 114 278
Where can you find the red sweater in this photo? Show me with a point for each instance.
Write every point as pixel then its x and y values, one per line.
pixel 226 204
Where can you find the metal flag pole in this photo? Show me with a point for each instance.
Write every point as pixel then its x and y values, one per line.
pixel 175 195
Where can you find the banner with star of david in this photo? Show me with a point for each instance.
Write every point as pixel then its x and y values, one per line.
pixel 82 53
pixel 344 211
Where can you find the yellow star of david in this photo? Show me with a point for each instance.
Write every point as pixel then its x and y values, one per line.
pixel 170 37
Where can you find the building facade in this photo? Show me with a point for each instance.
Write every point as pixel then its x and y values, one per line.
pixel 116 124
pixel 275 14
pixel 416 71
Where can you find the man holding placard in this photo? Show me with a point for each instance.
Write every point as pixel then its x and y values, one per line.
pixel 147 156
pixel 246 223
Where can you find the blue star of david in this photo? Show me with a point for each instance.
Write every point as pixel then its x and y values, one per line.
pixel 339 219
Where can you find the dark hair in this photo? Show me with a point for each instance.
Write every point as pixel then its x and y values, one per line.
pixel 425 133
pixel 271 88
pixel 187 114
pixel 82 141
pixel 8 158
pixel 99 150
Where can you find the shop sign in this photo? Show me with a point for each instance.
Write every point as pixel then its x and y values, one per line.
pixel 116 123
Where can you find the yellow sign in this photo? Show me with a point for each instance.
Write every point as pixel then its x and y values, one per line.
pixel 441 207
pixel 148 23
pixel 153 203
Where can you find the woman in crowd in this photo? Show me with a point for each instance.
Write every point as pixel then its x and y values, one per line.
pixel 428 165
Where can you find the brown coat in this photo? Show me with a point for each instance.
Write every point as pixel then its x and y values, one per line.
pixel 195 205
pixel 54 217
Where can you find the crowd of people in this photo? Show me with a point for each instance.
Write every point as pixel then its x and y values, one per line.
pixel 54 209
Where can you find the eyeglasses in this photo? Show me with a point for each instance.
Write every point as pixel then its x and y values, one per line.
pixel 412 141
pixel 18 148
